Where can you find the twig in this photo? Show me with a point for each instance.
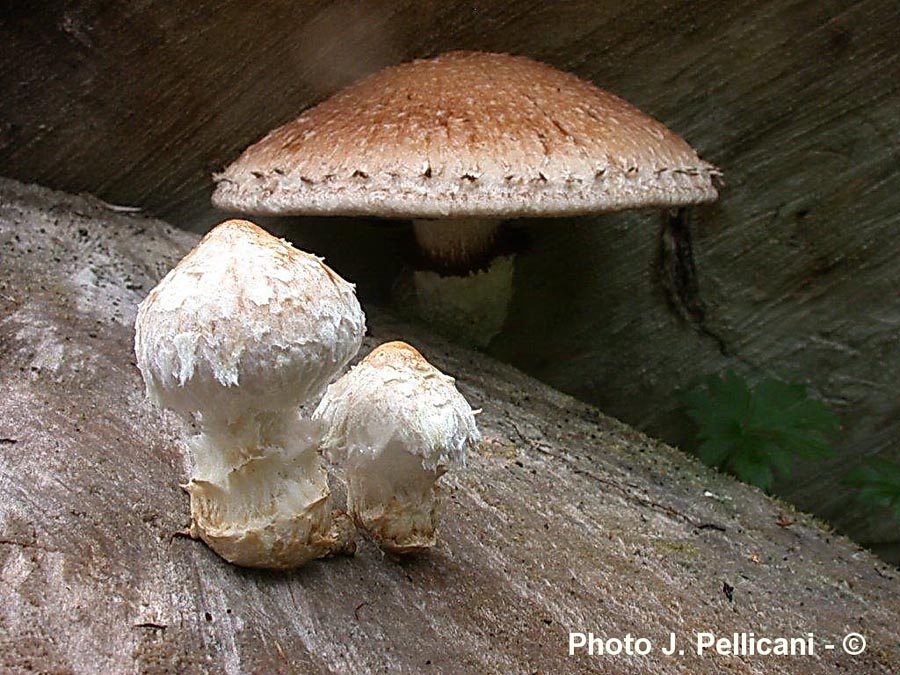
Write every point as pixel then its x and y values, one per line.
pixel 359 607
pixel 117 208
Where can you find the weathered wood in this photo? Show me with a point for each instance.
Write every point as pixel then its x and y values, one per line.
pixel 565 520
pixel 796 100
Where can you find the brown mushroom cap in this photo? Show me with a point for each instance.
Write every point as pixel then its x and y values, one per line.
pixel 467 134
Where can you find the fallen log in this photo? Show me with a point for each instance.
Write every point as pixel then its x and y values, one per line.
pixel 565 522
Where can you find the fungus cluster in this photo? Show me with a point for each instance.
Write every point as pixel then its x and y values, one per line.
pixel 236 337
pixel 246 328
pixel 459 143
pixel 241 333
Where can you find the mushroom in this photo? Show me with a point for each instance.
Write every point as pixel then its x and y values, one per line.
pixel 459 143
pixel 398 423
pixel 236 337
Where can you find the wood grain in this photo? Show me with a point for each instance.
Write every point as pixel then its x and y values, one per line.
pixel 565 520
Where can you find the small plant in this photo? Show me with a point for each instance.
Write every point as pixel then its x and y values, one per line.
pixel 754 433
pixel 878 481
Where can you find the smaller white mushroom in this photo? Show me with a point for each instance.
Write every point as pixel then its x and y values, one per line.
pixel 399 423
pixel 236 337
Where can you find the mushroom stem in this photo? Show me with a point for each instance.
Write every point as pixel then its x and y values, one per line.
pixel 395 499
pixel 455 242
pixel 259 490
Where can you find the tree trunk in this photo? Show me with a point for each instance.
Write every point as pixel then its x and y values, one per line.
pixel 565 520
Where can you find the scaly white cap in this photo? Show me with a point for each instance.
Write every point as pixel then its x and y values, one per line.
pixel 244 323
pixel 399 423
pixel 395 395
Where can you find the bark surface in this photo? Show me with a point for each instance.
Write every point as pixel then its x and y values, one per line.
pixel 565 519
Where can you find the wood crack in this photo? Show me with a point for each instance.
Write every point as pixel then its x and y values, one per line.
pixel 676 274
pixel 626 491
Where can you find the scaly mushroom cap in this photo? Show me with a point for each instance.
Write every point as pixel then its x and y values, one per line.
pixel 467 134
pixel 399 422
pixel 245 323
pixel 394 397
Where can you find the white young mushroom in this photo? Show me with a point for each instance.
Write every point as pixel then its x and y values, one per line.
pixel 237 336
pixel 399 423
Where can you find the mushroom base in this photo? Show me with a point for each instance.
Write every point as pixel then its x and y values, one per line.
pixel 265 503
pixel 468 309
pixel 395 500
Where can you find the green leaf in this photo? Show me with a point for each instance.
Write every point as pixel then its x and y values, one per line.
pixel 878 484
pixel 750 471
pixel 811 445
pixel 780 461
pixel 756 432
pixel 774 404
pixel 715 451
pixel 719 409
